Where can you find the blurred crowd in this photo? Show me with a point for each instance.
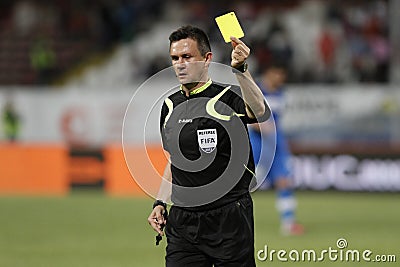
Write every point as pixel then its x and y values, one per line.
pixel 41 39
pixel 320 41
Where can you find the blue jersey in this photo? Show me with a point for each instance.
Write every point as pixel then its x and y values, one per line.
pixel 279 167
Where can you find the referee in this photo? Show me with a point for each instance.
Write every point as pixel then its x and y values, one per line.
pixel 211 166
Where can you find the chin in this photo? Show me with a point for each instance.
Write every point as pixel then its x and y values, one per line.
pixel 185 81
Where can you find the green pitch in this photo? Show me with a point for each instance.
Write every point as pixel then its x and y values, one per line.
pixel 90 229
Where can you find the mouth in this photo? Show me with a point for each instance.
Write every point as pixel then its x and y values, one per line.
pixel 182 75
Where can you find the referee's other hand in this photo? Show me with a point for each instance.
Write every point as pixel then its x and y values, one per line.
pixel 156 219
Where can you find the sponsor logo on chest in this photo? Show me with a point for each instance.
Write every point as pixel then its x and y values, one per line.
pixel 185 121
pixel 207 139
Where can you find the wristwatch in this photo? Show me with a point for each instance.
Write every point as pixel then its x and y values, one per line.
pixel 160 203
pixel 242 68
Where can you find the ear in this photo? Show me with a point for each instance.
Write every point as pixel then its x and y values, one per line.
pixel 208 58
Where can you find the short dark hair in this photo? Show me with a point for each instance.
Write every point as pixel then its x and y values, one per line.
pixel 197 34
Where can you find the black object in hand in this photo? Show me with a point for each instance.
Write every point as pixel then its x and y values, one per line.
pixel 159 237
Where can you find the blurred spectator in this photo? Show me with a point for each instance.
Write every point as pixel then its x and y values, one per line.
pixel 366 31
pixel 380 51
pixel 11 121
pixel 25 16
pixel 110 31
pixel 43 60
pixel 278 43
pixel 125 15
pixel 327 46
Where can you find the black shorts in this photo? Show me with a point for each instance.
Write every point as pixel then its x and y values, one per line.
pixel 220 237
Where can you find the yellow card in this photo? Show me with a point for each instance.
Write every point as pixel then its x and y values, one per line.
pixel 229 26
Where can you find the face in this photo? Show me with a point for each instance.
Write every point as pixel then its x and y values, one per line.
pixel 276 78
pixel 189 65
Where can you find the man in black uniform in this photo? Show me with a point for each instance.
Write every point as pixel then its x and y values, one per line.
pixel 203 127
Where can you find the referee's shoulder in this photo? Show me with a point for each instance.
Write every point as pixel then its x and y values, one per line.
pixel 174 96
pixel 222 86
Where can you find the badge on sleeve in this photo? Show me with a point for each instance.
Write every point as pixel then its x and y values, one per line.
pixel 207 139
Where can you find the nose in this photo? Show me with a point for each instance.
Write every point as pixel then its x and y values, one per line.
pixel 180 63
pixel 180 60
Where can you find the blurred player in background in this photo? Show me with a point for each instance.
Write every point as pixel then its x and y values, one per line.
pixel 278 176
pixel 11 121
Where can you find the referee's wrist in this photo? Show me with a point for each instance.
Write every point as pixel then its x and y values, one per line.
pixel 159 202
pixel 240 69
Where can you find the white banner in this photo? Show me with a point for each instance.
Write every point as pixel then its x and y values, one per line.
pixel 321 114
pixel 317 115
pixel 346 172
pixel 77 117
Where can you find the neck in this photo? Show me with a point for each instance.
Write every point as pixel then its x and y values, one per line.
pixel 189 87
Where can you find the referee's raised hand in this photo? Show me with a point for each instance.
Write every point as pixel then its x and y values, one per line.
pixel 240 52
pixel 157 220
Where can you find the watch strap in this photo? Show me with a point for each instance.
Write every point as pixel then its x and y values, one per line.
pixel 159 203
pixel 242 68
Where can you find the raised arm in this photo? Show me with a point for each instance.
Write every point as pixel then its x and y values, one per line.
pixel 252 95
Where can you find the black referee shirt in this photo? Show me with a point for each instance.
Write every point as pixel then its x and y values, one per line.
pixel 198 132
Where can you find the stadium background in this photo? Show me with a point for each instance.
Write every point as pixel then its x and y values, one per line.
pixel 69 68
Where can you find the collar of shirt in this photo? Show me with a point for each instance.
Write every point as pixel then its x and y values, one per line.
pixel 198 90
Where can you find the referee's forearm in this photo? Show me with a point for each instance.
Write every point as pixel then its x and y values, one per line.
pixel 164 193
pixel 252 95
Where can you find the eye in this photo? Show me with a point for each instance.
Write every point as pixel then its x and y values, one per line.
pixel 174 58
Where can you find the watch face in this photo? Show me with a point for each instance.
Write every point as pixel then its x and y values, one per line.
pixel 245 67
pixel 242 68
